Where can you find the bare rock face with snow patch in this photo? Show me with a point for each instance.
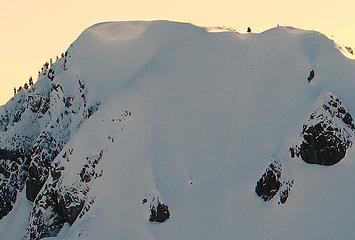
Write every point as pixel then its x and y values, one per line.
pixel 269 183
pixel 285 191
pixel 327 134
pixel 158 210
pixel 59 203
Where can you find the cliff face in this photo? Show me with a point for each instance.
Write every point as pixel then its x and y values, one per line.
pixel 156 130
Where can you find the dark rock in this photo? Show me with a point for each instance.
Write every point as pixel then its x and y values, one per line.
pixel 159 213
pixel 326 139
pixel 285 191
pixel 13 166
pixel 45 149
pixel 347 119
pixel 292 151
pixel 311 76
pixel 56 203
pixel 7 200
pixel 350 50
pixel 32 188
pixel 321 146
pixel 70 205
pixel 269 183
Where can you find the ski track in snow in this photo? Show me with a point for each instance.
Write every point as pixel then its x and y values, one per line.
pixel 243 94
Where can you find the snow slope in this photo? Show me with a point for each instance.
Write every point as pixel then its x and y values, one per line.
pixel 193 118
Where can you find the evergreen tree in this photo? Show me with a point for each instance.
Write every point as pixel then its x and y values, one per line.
pixel 30 81
pixel 249 30
pixel 15 91
pixel 25 86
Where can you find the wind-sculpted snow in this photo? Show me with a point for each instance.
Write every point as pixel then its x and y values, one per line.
pixel 162 130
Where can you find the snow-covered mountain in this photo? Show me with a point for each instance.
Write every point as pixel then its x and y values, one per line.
pixel 162 130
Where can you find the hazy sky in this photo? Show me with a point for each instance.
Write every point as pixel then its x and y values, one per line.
pixel 32 31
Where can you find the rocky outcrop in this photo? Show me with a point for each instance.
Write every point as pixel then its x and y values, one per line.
pixel 272 183
pixel 311 76
pixel 285 191
pixel 58 202
pixel 327 134
pixel 35 126
pixel 159 213
pixel 350 50
pixel 158 210
pixel 66 193
pixel 13 169
pixel 269 183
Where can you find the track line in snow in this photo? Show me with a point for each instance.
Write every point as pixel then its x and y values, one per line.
pixel 244 91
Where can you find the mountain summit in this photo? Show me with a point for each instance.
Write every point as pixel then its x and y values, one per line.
pixel 163 130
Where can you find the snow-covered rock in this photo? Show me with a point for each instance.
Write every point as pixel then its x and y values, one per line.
pixel 328 133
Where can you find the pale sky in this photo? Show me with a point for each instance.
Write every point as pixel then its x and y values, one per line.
pixel 33 31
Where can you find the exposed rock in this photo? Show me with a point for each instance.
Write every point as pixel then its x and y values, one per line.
pixel 311 76
pixel 158 210
pixel 159 213
pixel 13 168
pixel 46 148
pixel 285 191
pixel 327 134
pixel 269 183
pixel 58 203
pixel 70 205
pixel 350 50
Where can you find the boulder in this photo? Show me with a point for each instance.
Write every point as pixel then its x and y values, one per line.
pixel 327 133
pixel 269 183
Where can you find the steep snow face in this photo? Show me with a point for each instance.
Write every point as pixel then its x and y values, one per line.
pixel 156 130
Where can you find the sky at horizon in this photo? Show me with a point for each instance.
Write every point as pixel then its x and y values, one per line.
pixel 35 31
